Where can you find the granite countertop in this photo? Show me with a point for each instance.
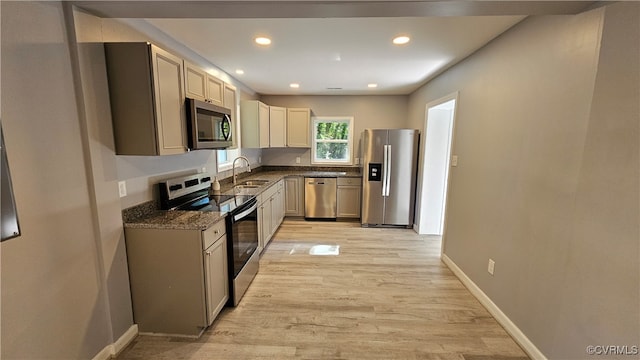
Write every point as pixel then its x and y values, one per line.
pixel 147 215
pixel 227 188
pixel 177 220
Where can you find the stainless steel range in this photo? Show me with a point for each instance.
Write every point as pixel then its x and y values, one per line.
pixel 191 193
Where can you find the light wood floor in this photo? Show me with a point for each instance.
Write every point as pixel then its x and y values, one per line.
pixel 386 296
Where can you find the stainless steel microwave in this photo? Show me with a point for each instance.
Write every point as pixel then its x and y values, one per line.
pixel 209 126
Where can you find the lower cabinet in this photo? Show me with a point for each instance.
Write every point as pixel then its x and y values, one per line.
pixel 270 213
pixel 349 197
pixel 294 196
pixel 216 277
pixel 179 280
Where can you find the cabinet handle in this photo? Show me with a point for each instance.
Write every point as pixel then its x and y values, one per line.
pixel 208 253
pixel 216 231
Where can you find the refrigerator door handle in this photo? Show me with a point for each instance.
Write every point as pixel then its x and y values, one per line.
pixel 385 171
pixel 388 170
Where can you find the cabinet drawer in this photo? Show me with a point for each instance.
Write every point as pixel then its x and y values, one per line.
pixel 349 181
pixel 269 192
pixel 213 233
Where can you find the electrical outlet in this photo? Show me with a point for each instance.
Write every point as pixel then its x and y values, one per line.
pixel 454 160
pixel 491 266
pixel 357 161
pixel 122 188
pixel 297 159
pixel 204 170
pixel 259 159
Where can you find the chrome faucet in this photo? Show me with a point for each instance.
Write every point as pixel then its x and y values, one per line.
pixel 234 167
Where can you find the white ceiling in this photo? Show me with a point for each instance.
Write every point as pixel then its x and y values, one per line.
pixel 335 55
pixel 332 47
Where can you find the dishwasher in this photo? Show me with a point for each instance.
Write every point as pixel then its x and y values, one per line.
pixel 320 198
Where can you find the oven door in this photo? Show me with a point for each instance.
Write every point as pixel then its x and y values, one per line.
pixel 244 234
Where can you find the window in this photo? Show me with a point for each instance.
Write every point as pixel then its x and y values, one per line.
pixel 332 140
pixel 225 157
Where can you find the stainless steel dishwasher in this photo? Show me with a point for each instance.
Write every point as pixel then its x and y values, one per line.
pixel 320 198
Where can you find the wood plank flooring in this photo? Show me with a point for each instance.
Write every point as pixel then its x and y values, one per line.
pixel 385 296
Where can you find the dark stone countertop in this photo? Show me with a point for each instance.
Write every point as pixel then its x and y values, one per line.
pixel 148 215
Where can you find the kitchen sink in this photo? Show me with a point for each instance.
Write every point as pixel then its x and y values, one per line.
pixel 253 183
pixel 247 186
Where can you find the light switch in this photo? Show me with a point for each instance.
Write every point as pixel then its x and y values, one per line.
pixel 122 188
pixel 454 160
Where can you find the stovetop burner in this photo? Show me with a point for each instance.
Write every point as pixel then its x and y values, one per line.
pixel 220 203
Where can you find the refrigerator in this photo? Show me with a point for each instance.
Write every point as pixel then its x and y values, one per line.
pixel 389 168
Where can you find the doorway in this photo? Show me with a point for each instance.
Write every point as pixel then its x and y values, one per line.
pixel 436 155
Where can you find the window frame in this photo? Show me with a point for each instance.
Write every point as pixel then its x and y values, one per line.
pixel 314 128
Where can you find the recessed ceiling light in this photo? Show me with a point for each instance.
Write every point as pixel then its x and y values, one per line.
pixel 294 85
pixel 261 40
pixel 240 72
pixel 401 40
pixel 372 86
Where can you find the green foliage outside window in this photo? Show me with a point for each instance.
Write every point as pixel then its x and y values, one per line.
pixel 332 140
pixel 332 131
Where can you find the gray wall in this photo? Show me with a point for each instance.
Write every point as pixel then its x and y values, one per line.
pixel 547 178
pixel 142 172
pixel 54 301
pixel 368 112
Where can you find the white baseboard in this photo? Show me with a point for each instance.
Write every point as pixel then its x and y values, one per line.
pixel 112 350
pixel 105 354
pixel 511 328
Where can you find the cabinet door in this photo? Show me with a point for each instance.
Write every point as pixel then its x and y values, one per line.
pixel 263 124
pixel 292 201
pixel 216 276
pixel 298 128
pixel 254 119
pixel 215 90
pixel 280 204
pixel 229 100
pixel 195 82
pixel 261 225
pixel 277 126
pixel 169 95
pixel 349 201
pixel 265 220
pixel 277 210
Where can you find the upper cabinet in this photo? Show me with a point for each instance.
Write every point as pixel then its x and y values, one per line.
pixel 299 127
pixel 203 86
pixel 255 124
pixel 277 126
pixel 146 89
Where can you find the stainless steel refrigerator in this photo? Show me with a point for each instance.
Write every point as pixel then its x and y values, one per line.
pixel 389 167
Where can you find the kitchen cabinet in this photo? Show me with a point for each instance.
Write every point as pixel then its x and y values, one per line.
pixel 254 120
pixel 216 273
pixel 294 196
pixel 349 197
pixel 277 126
pixel 229 102
pixel 299 127
pixel 179 280
pixel 270 213
pixel 202 86
pixel 147 95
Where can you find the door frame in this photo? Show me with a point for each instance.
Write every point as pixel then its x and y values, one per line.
pixel 452 96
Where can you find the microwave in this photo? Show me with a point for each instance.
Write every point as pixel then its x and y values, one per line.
pixel 209 126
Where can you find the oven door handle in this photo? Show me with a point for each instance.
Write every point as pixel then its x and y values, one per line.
pixel 245 213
